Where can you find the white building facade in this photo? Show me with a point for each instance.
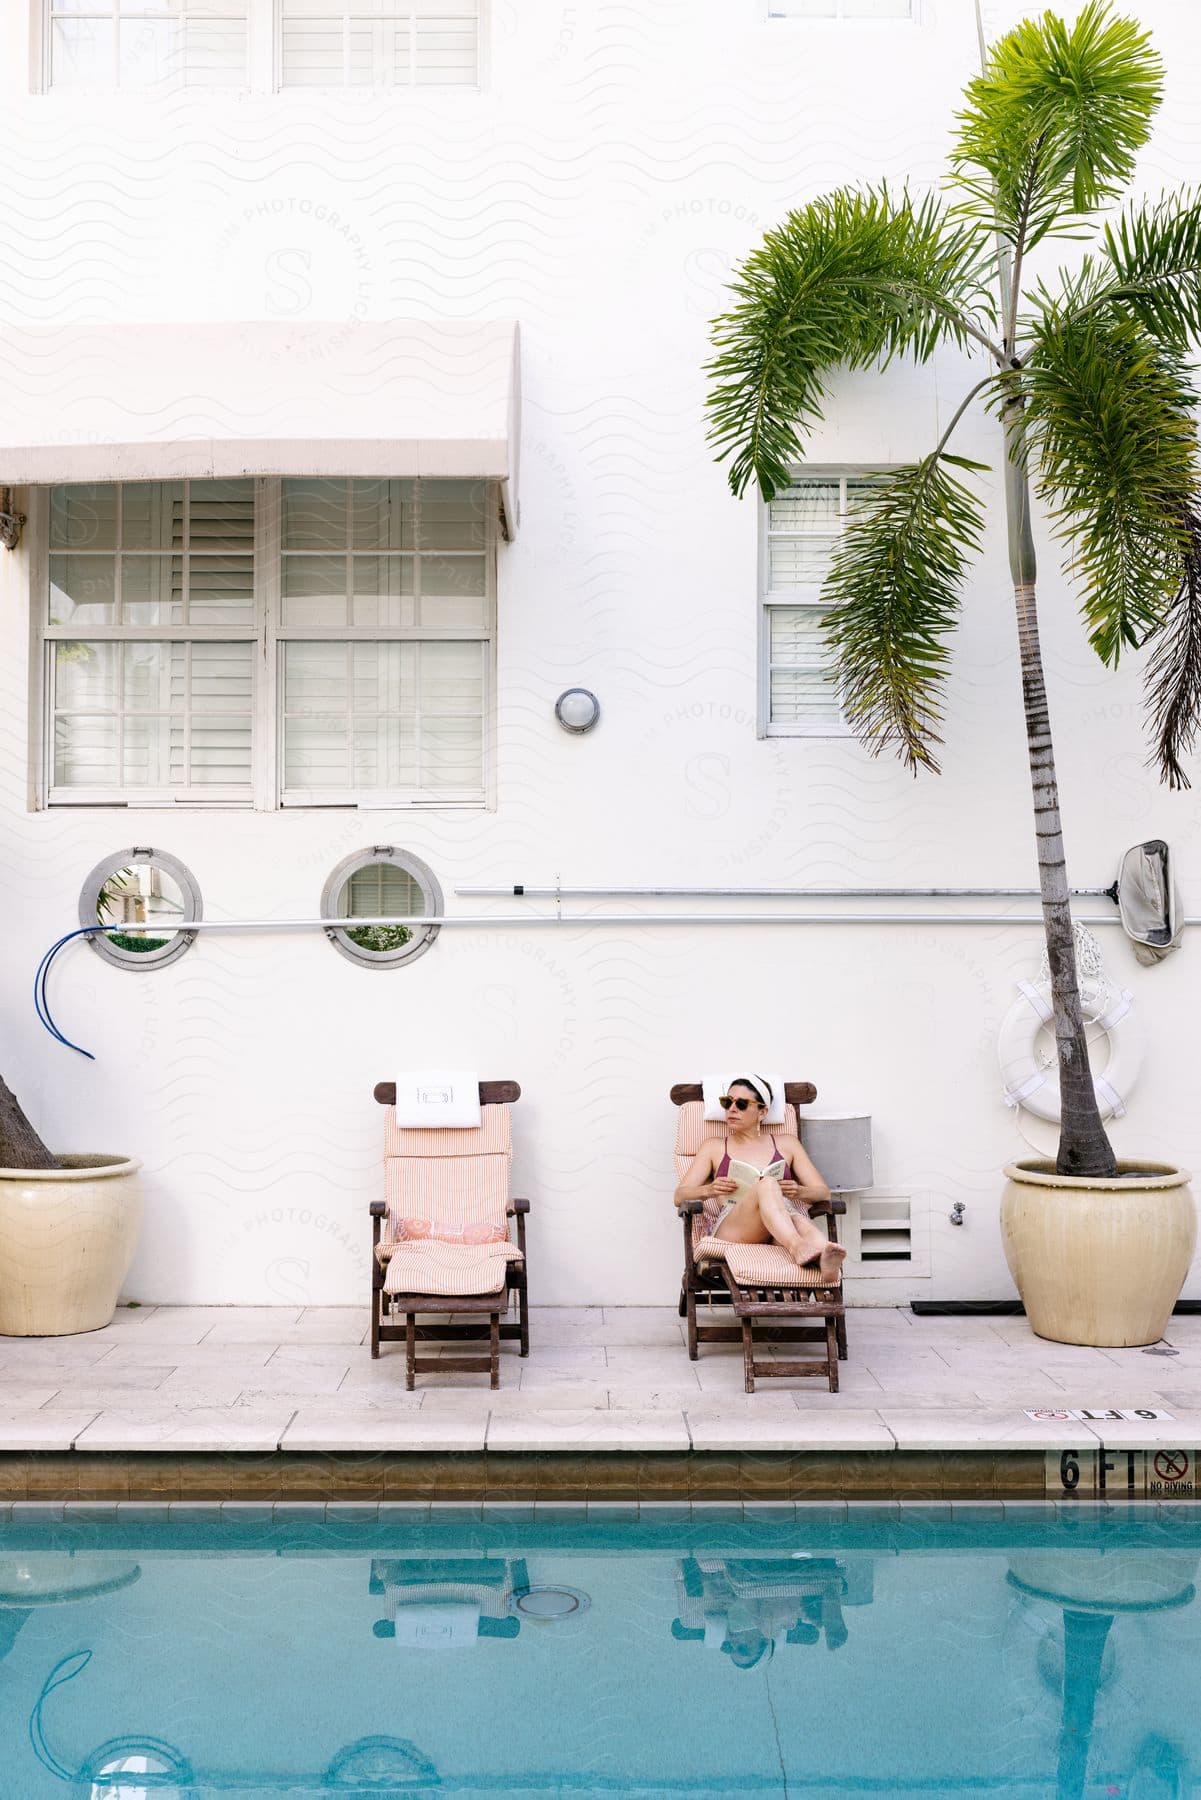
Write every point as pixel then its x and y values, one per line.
pixel 353 372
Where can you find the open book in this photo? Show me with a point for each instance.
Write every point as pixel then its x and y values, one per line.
pixel 747 1175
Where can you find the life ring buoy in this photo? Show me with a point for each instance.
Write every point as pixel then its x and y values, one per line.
pixel 1030 1084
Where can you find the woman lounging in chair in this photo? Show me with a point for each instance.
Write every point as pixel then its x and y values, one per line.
pixel 773 1208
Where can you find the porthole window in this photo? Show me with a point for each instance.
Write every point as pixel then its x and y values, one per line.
pixel 147 898
pixel 382 882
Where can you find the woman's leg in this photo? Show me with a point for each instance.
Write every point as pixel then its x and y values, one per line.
pixel 763 1214
pixel 796 1232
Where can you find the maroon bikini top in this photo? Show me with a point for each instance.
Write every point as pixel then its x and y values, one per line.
pixel 723 1167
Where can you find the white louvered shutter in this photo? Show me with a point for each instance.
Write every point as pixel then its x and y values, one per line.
pixel 804 522
pixel 842 9
pixel 379 43
pixel 138 712
pixel 392 697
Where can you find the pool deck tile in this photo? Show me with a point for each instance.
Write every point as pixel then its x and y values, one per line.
pixel 609 1383
pixel 43 1429
pixel 379 1428
pixel 1181 1432
pixel 214 1429
pixel 549 1428
pixel 713 1429
pixel 956 1428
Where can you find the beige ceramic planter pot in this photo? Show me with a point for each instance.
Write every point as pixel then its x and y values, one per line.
pixel 67 1238
pixel 1098 1262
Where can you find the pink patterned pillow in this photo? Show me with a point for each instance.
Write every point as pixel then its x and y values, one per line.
pixel 474 1232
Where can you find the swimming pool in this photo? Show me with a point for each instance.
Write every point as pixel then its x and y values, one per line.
pixel 1010 1651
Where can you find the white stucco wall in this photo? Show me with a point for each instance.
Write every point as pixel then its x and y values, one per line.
pixel 617 162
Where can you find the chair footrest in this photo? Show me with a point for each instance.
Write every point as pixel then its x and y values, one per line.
pixel 509 1333
pixel 809 1367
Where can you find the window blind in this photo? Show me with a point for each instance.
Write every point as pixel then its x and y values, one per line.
pixel 803 525
pixel 399 703
pixel 132 710
pixel 350 620
pixel 842 9
pixel 393 43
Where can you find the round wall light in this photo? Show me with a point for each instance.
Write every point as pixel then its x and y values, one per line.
pixel 577 709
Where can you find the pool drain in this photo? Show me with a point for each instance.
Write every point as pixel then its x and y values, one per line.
pixel 550 1602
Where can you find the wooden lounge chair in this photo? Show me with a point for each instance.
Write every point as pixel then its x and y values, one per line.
pixel 451 1180
pixel 770 1297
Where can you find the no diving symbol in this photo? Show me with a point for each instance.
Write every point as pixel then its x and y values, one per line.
pixel 1171 1465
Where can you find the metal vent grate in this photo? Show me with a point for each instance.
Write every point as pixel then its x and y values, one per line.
pixel 880 1232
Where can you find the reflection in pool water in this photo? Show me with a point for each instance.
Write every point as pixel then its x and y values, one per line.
pixel 367 1657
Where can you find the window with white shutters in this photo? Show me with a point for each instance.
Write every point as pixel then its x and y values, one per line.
pixel 385 634
pixel 269 642
pixel 147 43
pixel 159 45
pixel 842 9
pixel 802 526
pixel 150 637
pixel 379 43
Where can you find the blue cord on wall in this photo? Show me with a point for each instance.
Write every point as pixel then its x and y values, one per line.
pixel 41 1003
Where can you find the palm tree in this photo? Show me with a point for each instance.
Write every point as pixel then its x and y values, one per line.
pixel 1087 378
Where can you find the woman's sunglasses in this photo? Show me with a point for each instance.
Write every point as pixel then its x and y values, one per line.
pixel 726 1101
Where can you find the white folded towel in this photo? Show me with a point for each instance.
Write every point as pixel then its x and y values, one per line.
pixel 438 1098
pixel 715 1630
pixel 713 1086
pixel 437 1624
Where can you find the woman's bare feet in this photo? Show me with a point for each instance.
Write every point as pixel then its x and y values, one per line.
pixel 827 1261
pixel 832 1259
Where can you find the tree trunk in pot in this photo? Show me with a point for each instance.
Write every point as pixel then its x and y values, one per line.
pixel 20 1145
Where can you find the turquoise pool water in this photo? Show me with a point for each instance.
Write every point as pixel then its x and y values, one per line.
pixel 885 1652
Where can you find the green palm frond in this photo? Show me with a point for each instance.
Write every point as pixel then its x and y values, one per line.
pixel 1113 449
pixel 894 585
pixel 1149 269
pixel 1153 257
pixel 1052 127
pixel 1173 676
pixel 851 279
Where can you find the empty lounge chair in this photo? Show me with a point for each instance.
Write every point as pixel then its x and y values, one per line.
pixel 440 1239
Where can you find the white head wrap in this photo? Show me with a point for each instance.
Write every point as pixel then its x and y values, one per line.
pixel 760 1084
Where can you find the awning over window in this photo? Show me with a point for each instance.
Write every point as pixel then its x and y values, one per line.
pixel 84 403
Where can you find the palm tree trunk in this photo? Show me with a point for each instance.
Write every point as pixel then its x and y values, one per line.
pixel 1084 1148
pixel 20 1145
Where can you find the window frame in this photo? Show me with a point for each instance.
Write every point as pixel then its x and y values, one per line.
pixel 267 633
pixel 423 938
pixel 264 61
pixel 141 856
pixel 772 17
pixel 794 597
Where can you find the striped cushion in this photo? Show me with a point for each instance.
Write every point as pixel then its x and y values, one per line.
pixel 492 1136
pixel 434 1268
pixel 455 1177
pixel 754 1265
